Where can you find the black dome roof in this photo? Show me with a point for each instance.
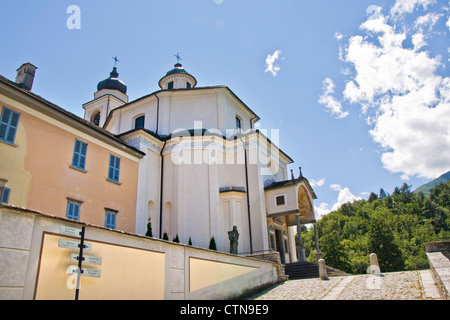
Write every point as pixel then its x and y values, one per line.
pixel 178 68
pixel 113 83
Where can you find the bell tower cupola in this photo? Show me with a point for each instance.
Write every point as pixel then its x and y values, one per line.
pixel 177 78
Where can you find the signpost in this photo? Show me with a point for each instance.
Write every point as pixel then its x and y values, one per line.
pixel 80 262
pixel 79 257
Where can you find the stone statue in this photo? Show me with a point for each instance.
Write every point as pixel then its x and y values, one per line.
pixel 234 237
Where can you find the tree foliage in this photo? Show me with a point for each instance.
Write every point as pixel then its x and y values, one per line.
pixel 394 226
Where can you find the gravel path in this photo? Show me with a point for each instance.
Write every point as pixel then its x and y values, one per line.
pixel 389 286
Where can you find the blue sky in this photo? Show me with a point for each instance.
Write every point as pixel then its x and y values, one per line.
pixel 358 89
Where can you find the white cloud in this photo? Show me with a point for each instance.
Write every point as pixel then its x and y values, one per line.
pixel 270 63
pixel 321 210
pixel 336 187
pixel 429 20
pixel 408 6
pixel 418 41
pixel 345 195
pixel 408 100
pixel 331 103
pixel 317 183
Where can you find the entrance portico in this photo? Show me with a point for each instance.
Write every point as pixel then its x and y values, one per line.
pixel 290 202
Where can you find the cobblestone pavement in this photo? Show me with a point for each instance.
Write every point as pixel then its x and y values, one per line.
pixel 410 285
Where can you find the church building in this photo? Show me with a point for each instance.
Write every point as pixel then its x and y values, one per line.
pixel 187 159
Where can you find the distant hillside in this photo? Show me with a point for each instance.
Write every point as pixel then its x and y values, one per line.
pixel 430 185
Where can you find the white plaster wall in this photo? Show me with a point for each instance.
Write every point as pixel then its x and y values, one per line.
pixel 290 193
pixel 214 108
pixel 123 119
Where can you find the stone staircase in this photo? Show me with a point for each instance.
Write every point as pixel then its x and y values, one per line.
pixel 307 270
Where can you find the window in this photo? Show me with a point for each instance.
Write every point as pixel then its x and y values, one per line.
pixel 272 241
pixel 4 194
pixel 238 123
pixel 9 121
pixel 96 119
pixel 188 85
pixel 79 154
pixel 170 85
pixel 280 200
pixel 139 122
pixel 73 210
pixel 110 219
pixel 114 168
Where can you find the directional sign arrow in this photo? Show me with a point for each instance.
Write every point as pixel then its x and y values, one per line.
pixel 85 272
pixel 86 259
pixel 71 244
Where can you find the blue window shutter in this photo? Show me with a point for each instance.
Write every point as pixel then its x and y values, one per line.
pixel 75 154
pixel 110 220
pixel 73 210
pixel 114 168
pixel 79 154
pixel 83 154
pixel 117 170
pixel 69 213
pixel 76 211
pixel 9 122
pixel 4 196
pixel 111 167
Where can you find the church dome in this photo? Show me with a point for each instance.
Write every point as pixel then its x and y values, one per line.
pixel 113 83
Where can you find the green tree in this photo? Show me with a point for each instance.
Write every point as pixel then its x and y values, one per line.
pixel 381 240
pixel 149 232
pixel 334 251
pixel 372 197
pixel 212 244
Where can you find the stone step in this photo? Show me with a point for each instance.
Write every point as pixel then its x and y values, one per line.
pixel 307 270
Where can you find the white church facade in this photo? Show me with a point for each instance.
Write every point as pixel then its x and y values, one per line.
pixel 206 168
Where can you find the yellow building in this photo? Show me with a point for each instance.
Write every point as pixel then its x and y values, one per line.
pixel 55 162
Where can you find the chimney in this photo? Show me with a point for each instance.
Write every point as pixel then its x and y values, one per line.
pixel 25 76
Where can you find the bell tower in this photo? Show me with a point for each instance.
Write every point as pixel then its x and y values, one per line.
pixel 111 94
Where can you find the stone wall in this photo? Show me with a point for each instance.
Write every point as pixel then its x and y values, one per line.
pixel 438 256
pixel 439 246
pixel 34 266
pixel 275 258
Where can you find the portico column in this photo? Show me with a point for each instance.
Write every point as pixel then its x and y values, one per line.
pixel 317 254
pixel 300 248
